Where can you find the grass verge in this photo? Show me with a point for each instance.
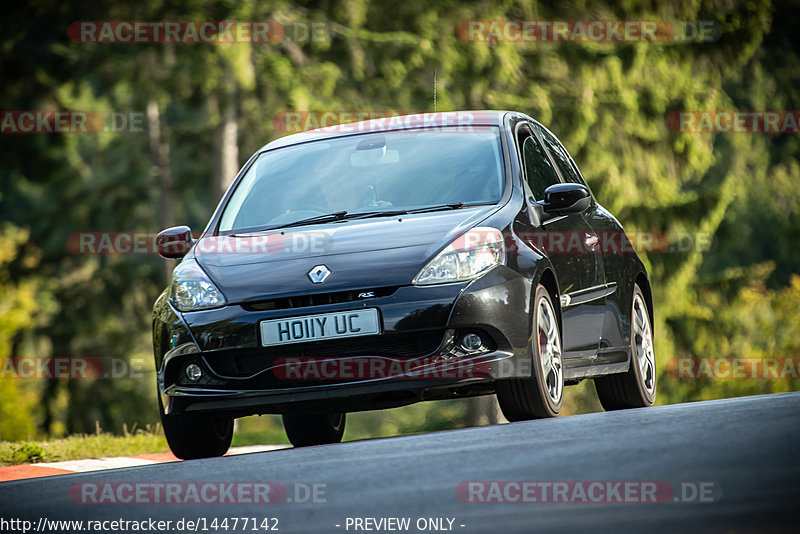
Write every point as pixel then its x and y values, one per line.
pixel 251 431
pixel 82 446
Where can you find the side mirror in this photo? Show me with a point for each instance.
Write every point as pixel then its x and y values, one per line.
pixel 566 198
pixel 174 242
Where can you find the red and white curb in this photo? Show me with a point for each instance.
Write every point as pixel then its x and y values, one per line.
pixel 18 472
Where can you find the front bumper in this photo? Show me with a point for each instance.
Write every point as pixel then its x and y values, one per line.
pixel 416 357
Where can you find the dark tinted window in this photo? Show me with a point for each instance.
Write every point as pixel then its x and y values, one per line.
pixel 565 164
pixel 538 170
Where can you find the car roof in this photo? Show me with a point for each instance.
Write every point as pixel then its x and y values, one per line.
pixel 400 122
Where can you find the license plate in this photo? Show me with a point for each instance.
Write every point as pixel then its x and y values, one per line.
pixel 320 326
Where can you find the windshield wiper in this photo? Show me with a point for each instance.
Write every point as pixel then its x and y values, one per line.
pixel 325 217
pixel 451 206
pixel 342 215
pixel 394 213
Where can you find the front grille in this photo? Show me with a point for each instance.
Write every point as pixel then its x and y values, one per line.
pixel 318 299
pixel 247 362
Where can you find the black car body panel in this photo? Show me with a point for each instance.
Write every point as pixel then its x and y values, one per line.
pixel 393 248
pixel 373 263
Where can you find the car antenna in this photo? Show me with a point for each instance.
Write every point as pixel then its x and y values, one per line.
pixel 434 91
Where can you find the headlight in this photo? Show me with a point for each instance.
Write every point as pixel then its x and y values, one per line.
pixel 469 256
pixel 191 289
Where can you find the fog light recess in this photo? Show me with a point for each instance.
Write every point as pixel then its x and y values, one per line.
pixel 471 342
pixel 193 372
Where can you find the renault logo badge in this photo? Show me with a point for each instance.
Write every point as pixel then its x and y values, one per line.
pixel 319 274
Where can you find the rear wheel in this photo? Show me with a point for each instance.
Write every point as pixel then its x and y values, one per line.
pixel 635 388
pixel 308 429
pixel 193 436
pixel 540 395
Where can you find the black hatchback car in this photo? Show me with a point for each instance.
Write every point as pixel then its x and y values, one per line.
pixel 387 262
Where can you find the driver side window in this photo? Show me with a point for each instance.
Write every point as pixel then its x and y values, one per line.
pixel 539 172
pixel 565 164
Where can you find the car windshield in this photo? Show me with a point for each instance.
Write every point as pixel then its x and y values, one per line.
pixel 376 172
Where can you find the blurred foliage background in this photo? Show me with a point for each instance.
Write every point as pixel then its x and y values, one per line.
pixel 207 107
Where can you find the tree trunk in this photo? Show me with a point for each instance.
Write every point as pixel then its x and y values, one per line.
pixel 226 142
pixel 484 410
pixel 160 169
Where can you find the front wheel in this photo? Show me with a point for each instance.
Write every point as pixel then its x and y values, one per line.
pixel 306 429
pixel 637 387
pixel 196 435
pixel 540 395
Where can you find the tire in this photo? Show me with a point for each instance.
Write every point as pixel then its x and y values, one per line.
pixel 636 388
pixel 542 394
pixel 192 436
pixel 304 430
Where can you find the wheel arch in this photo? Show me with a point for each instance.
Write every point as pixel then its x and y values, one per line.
pixel 548 280
pixel 644 284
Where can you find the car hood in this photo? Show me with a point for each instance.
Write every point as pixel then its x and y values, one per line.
pixel 361 254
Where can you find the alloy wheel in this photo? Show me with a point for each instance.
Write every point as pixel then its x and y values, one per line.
pixel 550 351
pixel 643 344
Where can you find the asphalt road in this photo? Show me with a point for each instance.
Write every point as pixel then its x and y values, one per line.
pixel 736 461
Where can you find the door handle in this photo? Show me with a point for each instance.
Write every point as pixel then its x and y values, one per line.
pixel 591 241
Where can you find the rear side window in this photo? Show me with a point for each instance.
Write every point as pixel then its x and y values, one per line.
pixel 565 164
pixel 538 170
